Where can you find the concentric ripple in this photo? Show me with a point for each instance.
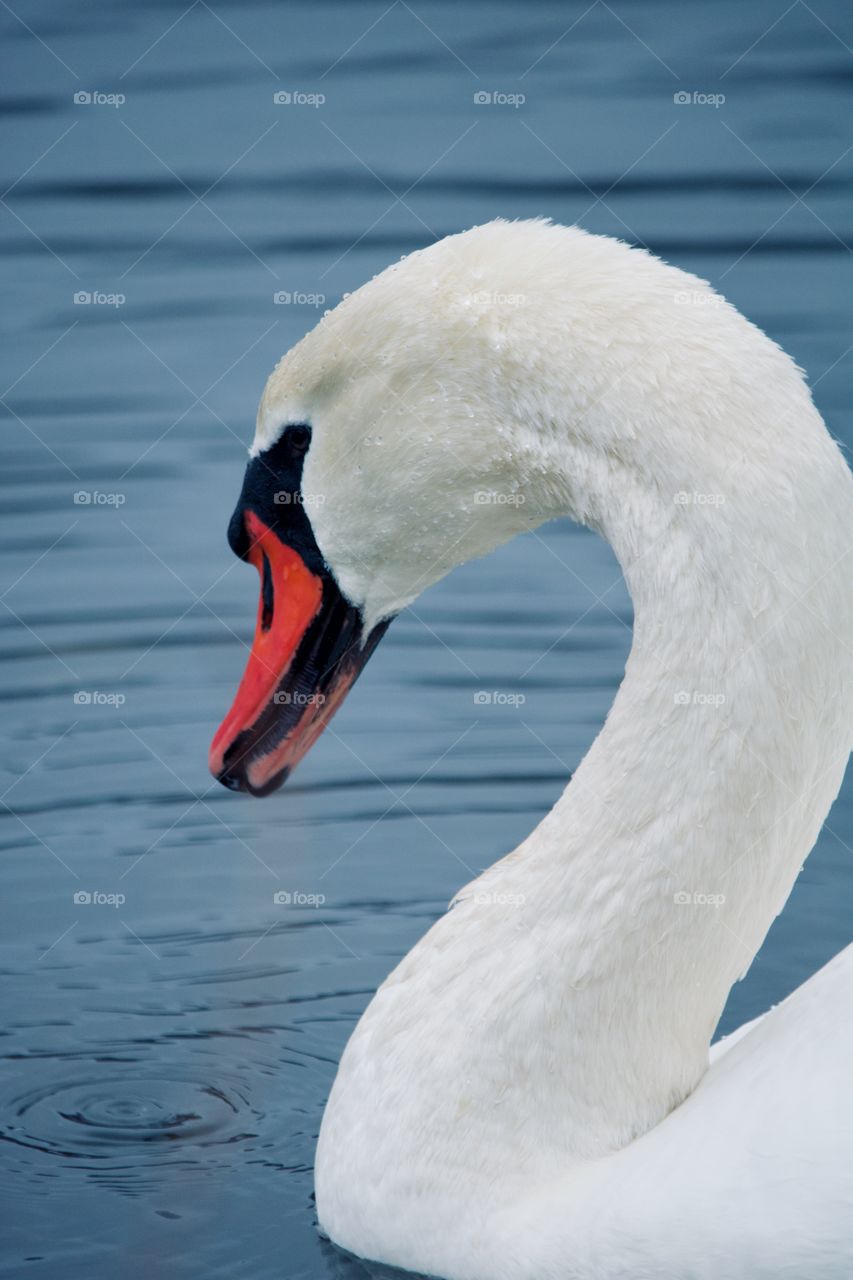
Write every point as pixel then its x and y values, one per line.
pixel 127 1121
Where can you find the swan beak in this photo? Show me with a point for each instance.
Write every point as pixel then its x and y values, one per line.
pixel 307 652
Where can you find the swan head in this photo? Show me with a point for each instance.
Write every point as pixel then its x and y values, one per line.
pixel 386 453
pixel 494 380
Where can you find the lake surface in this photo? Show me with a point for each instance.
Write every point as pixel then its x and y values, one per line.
pixel 168 1045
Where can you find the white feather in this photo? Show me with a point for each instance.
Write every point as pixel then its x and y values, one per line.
pixel 528 1095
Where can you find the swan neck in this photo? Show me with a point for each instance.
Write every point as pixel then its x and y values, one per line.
pixel 676 843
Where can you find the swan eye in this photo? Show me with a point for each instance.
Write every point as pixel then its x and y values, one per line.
pixel 298 437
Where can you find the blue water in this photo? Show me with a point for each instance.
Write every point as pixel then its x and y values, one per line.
pixel 165 1058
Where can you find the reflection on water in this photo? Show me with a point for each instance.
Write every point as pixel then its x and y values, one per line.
pixel 183 966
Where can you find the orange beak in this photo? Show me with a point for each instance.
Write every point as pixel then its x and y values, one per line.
pixel 305 656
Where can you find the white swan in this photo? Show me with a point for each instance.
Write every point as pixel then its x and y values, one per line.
pixel 529 1096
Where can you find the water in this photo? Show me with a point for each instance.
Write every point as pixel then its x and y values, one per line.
pixel 168 1045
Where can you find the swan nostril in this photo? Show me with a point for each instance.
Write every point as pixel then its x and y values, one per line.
pixel 267 595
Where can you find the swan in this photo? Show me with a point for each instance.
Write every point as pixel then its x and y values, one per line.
pixel 531 1094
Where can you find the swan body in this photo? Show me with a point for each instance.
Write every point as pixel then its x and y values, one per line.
pixel 531 1095
pixel 748 1177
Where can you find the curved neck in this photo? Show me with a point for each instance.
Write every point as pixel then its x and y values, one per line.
pixel 653 881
